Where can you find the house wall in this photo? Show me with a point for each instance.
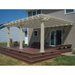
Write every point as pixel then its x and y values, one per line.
pixel 3 34
pixel 30 32
pixel 70 35
pixel 47 34
pixel 68 32
pixel 47 11
pixel 14 34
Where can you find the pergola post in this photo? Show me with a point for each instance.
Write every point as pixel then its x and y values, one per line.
pixel 42 38
pixel 8 43
pixel 21 38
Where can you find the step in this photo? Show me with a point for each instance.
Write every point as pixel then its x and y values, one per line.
pixel 15 56
pixel 26 60
pixel 32 60
pixel 41 56
pixel 45 58
pixel 17 53
pixel 33 56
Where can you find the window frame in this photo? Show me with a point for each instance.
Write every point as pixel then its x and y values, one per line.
pixel 70 12
pixel 32 13
pixel 39 9
pixel 36 12
pixel 33 33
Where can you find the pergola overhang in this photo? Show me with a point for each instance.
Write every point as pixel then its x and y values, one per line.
pixel 37 21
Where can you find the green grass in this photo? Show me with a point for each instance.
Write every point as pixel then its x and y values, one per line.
pixel 62 60
pixel 11 44
pixel 73 50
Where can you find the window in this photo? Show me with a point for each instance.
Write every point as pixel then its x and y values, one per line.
pixel 67 11
pixel 35 33
pixel 25 33
pixel 36 12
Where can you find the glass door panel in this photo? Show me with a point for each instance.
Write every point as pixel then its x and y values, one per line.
pixel 58 37
pixel 52 38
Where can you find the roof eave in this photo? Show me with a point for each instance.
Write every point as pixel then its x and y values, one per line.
pixel 30 10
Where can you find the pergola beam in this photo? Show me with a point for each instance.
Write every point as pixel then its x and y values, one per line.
pixel 34 21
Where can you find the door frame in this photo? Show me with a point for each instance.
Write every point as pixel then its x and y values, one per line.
pixel 55 37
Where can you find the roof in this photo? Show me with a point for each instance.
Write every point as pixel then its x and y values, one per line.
pixel 1 25
pixel 29 10
pixel 35 22
pixel 40 9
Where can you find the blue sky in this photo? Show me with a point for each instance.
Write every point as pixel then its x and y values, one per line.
pixel 7 15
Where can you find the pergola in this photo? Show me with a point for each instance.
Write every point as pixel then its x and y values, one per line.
pixel 37 21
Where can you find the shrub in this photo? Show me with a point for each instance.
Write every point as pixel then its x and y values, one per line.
pixel 73 50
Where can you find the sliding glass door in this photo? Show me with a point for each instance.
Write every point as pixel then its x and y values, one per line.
pixel 52 38
pixel 55 37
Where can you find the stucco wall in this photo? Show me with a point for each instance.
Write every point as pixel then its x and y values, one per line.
pixel 70 39
pixel 47 11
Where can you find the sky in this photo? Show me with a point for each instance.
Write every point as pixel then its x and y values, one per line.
pixel 7 15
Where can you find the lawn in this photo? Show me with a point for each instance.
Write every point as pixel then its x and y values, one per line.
pixel 62 60
pixel 11 44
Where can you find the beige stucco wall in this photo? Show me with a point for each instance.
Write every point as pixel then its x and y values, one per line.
pixel 70 39
pixel 47 11
pixel 68 34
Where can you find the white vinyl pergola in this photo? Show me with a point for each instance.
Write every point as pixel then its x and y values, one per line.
pixel 37 21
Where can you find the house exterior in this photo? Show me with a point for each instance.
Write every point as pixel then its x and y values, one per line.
pixel 45 29
pixel 14 34
pixel 54 35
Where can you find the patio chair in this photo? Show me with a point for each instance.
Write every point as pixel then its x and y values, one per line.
pixel 16 44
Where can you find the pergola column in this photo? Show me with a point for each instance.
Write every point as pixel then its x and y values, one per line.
pixel 8 43
pixel 21 38
pixel 42 38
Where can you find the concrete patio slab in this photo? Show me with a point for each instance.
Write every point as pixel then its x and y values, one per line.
pixel 68 54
